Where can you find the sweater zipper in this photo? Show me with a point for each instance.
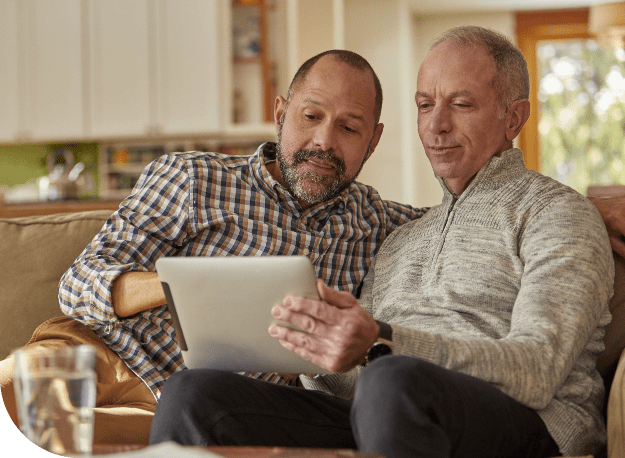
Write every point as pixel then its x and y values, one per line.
pixel 443 234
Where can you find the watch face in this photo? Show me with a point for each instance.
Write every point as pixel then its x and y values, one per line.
pixel 378 349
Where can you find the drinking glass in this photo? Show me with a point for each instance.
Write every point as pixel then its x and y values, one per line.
pixel 55 392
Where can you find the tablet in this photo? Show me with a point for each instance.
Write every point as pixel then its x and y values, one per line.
pixel 221 309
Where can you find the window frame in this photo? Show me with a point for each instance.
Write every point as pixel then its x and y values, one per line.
pixel 532 27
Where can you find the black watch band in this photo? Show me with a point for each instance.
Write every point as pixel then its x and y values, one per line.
pixel 384 344
pixel 378 349
pixel 386 332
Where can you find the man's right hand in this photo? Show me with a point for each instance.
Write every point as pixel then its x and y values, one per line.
pixel 135 292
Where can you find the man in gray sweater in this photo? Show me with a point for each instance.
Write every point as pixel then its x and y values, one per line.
pixel 478 326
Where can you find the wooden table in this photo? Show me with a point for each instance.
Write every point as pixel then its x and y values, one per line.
pixel 253 452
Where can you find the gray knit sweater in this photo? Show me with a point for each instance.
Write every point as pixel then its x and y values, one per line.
pixel 508 282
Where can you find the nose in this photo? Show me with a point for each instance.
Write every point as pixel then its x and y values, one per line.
pixel 440 120
pixel 325 136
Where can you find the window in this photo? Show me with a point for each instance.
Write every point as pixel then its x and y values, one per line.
pixel 576 132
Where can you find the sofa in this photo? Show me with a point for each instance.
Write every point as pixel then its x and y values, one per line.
pixel 37 250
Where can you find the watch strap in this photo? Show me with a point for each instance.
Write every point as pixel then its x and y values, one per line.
pixel 386 331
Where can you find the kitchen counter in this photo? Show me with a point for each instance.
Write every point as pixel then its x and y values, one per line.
pixel 49 208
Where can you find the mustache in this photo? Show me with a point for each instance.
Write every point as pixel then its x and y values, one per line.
pixel 328 156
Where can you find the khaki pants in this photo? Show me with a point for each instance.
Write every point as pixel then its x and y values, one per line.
pixel 124 404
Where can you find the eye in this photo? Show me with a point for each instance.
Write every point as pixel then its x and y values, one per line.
pixel 350 130
pixel 424 105
pixel 310 116
pixel 462 105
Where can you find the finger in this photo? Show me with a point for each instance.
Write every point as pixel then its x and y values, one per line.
pixel 340 299
pixel 316 309
pixel 302 321
pixel 331 364
pixel 304 345
pixel 311 348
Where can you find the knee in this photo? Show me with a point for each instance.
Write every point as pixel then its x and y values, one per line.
pixel 387 374
pixel 399 372
pixel 187 390
pixel 389 382
pixel 190 402
pixel 6 387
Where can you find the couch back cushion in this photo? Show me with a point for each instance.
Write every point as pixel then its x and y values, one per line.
pixel 615 332
pixel 36 251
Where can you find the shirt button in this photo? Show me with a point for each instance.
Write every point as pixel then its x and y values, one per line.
pixel 306 251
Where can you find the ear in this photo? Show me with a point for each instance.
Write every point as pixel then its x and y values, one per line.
pixel 279 108
pixel 375 139
pixel 516 116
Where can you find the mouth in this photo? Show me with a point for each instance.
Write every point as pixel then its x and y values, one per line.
pixel 320 163
pixel 441 149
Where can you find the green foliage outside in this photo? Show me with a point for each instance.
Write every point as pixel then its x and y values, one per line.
pixel 582 113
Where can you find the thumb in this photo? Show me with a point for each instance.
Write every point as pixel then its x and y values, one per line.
pixel 340 299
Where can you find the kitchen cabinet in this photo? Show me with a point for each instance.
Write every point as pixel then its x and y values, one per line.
pixel 189 40
pixel 9 76
pixel 117 70
pixel 154 67
pixel 119 67
pixel 41 90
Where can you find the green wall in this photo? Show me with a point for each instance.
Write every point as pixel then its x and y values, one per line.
pixel 20 164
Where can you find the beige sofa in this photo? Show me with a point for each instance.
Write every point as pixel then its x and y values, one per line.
pixel 36 251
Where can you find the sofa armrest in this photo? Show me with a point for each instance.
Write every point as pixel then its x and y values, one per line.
pixel 616 413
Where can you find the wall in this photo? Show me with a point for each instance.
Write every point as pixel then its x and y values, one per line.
pixel 380 32
pixel 395 39
pixel 20 164
pixel 425 28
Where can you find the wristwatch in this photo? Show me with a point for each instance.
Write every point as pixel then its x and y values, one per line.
pixel 383 346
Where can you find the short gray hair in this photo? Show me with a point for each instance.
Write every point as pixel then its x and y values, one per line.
pixel 511 81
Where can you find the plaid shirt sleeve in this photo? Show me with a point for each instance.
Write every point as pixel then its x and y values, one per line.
pixel 398 214
pixel 151 222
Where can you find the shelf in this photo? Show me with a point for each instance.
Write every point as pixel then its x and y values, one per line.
pixel 121 163
pixel 246 60
pixel 250 39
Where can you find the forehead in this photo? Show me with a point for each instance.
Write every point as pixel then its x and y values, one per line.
pixel 336 85
pixel 451 66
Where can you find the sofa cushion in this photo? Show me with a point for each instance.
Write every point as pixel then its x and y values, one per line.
pixel 615 332
pixel 36 251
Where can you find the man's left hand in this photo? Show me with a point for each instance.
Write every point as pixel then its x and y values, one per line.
pixel 338 331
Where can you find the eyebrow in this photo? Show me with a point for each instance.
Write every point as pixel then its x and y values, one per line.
pixel 350 115
pixel 452 95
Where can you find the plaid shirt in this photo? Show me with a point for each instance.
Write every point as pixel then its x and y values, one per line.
pixel 208 204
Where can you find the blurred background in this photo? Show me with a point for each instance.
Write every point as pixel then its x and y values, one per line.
pixel 93 90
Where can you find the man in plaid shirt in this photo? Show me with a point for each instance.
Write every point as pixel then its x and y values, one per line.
pixel 296 197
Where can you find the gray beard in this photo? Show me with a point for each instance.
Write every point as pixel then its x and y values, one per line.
pixel 295 181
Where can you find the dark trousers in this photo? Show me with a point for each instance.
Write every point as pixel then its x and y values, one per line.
pixel 403 407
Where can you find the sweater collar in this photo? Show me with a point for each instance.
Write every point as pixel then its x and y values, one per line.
pixel 498 169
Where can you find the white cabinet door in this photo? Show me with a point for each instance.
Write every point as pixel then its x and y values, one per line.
pixel 119 67
pixel 188 71
pixel 9 75
pixel 54 78
pixel 41 90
